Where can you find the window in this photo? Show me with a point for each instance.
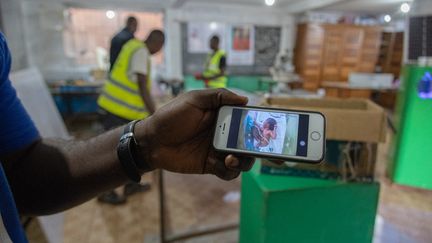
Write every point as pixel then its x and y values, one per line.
pixel 88 32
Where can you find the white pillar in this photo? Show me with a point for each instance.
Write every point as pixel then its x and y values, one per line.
pixel 173 45
pixel 288 33
pixel 12 20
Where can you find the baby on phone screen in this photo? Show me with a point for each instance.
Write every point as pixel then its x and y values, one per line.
pixel 265 134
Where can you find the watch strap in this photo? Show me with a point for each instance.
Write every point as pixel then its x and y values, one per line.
pixel 126 152
pixel 135 147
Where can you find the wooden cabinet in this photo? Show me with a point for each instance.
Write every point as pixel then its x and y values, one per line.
pixel 351 49
pixel 391 50
pixel 330 52
pixel 309 46
pixel 370 49
pixel 344 90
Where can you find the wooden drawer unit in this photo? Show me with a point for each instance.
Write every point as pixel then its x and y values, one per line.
pixel 330 52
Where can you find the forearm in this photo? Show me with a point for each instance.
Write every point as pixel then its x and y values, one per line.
pixel 213 76
pixel 55 174
pixel 148 101
pixel 145 93
pixel 210 77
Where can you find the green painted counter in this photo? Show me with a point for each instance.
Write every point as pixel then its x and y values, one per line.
pixel 294 209
pixel 246 83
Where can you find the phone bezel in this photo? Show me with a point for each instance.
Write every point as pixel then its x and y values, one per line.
pixel 272 156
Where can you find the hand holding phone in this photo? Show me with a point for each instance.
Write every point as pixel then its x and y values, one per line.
pixel 178 136
pixel 271 133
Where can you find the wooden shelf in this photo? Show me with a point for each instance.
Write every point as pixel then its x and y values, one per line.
pixel 391 51
pixel 333 51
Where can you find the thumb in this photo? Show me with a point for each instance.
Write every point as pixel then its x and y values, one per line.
pixel 215 98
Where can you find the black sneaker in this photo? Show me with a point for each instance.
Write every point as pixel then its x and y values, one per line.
pixel 112 198
pixel 132 188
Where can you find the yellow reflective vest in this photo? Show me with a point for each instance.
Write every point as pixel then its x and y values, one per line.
pixel 120 95
pixel 212 69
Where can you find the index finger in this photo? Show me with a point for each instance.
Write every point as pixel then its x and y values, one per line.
pixel 242 163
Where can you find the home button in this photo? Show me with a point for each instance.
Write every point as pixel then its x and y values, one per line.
pixel 315 136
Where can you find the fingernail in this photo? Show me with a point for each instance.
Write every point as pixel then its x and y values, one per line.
pixel 234 162
pixel 246 99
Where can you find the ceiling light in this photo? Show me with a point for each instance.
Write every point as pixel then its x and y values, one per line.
pixel 110 14
pixel 213 25
pixel 387 18
pixel 405 7
pixel 269 2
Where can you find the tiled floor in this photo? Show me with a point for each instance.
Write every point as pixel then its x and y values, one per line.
pixel 192 202
pixel 405 214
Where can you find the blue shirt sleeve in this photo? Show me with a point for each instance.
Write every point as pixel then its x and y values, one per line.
pixel 17 130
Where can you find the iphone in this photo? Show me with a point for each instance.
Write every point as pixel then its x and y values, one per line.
pixel 279 134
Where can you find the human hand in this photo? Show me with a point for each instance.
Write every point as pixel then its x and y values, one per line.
pixel 178 136
pixel 198 76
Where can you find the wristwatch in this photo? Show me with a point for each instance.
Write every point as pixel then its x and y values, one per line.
pixel 127 150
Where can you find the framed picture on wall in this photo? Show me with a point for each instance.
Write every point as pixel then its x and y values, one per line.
pixel 241 47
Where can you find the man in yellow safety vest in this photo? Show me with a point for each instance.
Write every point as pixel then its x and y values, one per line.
pixel 214 73
pixel 126 94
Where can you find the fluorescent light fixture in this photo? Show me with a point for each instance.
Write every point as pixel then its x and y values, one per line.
pixel 387 18
pixel 110 14
pixel 405 7
pixel 213 25
pixel 269 2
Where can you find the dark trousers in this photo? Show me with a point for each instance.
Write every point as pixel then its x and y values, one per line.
pixel 110 121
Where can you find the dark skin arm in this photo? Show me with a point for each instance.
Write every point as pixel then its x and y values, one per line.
pixel 52 175
pixel 145 94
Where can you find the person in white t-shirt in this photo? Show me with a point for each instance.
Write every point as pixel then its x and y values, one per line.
pixel 126 96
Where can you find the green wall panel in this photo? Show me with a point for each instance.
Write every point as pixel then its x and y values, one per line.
pixel 412 161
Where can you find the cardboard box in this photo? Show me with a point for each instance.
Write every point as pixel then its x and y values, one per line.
pixel 358 120
pixel 99 74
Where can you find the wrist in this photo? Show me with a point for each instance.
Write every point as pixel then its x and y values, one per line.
pixel 127 152
pixel 144 137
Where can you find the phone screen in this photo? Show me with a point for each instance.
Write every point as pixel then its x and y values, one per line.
pixel 269 132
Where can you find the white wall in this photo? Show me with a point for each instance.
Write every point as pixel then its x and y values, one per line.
pixel 43 28
pixel 213 12
pixel 34 29
pixel 13 29
pixel 421 7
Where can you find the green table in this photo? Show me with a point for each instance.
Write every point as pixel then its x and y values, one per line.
pixel 295 209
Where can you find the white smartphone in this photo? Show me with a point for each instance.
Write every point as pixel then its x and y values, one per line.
pixel 279 134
